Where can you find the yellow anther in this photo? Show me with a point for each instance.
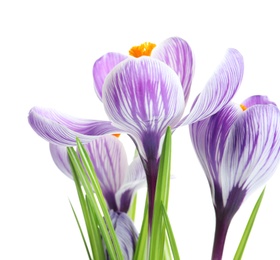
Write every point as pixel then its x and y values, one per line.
pixel 116 135
pixel 144 49
pixel 243 107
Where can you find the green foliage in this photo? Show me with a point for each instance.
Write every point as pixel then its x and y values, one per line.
pixel 247 231
pixel 156 245
pixel 132 209
pixel 161 198
pixel 94 207
pixel 141 250
pixel 97 219
pixel 81 231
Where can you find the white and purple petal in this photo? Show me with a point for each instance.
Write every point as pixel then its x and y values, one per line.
pixel 177 54
pixel 60 158
pixel 135 179
pixel 219 90
pixel 142 97
pixel 61 129
pixel 252 151
pixel 257 100
pixel 118 181
pixel 102 67
pixel 126 233
pixel 110 164
pixel 209 137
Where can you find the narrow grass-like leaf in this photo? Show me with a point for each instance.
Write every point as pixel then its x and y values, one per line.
pixel 161 198
pixel 167 251
pixel 96 187
pixel 170 234
pixel 247 231
pixel 89 217
pixel 132 209
pixel 83 207
pixel 81 231
pixel 98 249
pixel 141 247
pixel 81 175
pixel 87 185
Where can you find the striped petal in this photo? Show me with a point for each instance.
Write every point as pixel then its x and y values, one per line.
pixel 62 129
pixel 177 54
pixel 60 158
pixel 219 90
pixel 110 164
pixel 126 233
pixel 102 67
pixel 209 137
pixel 257 100
pixel 252 151
pixel 135 179
pixel 142 97
pixel 118 181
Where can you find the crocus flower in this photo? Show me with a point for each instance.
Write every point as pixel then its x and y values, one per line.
pixel 239 149
pixel 118 182
pixel 142 96
pixel 126 233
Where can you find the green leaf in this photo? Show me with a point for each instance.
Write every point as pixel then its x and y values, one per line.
pixel 81 231
pixel 84 208
pixel 161 198
pixel 106 227
pixel 132 209
pixel 170 234
pixel 247 231
pixel 96 187
pixel 167 251
pixel 141 247
pixel 97 249
pixel 90 219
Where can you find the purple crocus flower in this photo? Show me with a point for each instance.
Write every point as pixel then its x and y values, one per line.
pixel 126 233
pixel 239 149
pixel 142 96
pixel 118 182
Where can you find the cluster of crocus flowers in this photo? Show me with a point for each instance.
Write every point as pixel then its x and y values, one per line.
pixel 239 149
pixel 142 96
pixel 147 91
pixel 118 180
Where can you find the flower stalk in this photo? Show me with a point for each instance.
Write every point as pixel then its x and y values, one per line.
pixel 222 225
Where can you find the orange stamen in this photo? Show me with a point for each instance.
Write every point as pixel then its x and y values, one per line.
pixel 243 107
pixel 116 135
pixel 145 49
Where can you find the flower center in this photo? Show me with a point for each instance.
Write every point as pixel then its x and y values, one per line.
pixel 243 107
pixel 144 49
pixel 116 135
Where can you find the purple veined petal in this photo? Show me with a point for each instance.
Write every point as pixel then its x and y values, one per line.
pixel 135 179
pixel 110 164
pixel 136 171
pixel 126 233
pixel 257 100
pixel 142 97
pixel 62 129
pixel 102 67
pixel 60 158
pixel 209 137
pixel 177 54
pixel 252 151
pixel 219 90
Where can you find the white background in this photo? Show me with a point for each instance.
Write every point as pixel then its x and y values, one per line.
pixel 47 50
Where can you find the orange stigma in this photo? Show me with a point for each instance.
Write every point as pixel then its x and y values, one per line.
pixel 144 49
pixel 243 107
pixel 116 135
